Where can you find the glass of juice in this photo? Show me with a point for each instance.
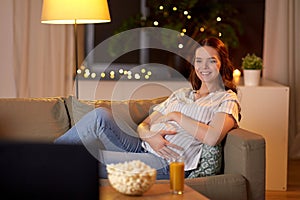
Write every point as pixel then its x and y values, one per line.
pixel 177 175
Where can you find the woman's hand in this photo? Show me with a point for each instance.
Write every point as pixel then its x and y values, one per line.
pixel 163 147
pixel 157 139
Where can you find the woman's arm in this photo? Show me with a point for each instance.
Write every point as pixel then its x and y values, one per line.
pixel 156 139
pixel 210 134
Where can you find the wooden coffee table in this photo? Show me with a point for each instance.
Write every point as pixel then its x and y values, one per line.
pixel 157 192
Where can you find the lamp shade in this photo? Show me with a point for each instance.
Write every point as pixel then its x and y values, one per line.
pixel 75 11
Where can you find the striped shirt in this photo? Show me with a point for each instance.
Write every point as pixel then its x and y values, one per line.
pixel 202 110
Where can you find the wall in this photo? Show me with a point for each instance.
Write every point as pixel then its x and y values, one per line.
pixel 122 90
pixel 7 84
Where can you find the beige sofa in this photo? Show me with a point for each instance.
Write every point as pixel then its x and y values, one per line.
pixel 44 119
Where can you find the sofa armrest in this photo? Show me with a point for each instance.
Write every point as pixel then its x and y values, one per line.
pixel 244 153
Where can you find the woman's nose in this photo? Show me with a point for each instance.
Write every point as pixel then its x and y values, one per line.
pixel 205 65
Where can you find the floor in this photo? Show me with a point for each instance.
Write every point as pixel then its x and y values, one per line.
pixel 293 187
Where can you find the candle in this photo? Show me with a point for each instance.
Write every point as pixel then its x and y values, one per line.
pixel 236 76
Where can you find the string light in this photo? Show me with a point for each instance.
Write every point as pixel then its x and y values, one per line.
pixel 137 76
pixel 93 75
pixel 185 12
pixel 219 19
pixel 174 8
pixel 161 7
pixel 155 23
pixel 180 46
pixel 202 29
pixel 112 74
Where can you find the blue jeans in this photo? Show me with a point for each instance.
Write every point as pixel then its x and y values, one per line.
pixel 111 140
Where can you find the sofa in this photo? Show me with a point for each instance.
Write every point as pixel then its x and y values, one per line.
pixel 45 119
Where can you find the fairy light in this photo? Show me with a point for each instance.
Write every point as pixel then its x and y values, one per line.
pixel 93 75
pixel 181 34
pixel 121 71
pixel 189 17
pixel 219 19
pixel 86 73
pixel 161 7
pixel 220 34
pixel 174 8
pixel 143 73
pixel 185 12
pixel 155 23
pixel 180 46
pixel 202 29
pixel 137 76
pixel 184 30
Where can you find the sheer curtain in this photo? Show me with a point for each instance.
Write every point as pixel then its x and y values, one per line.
pixel 43 55
pixel 282 60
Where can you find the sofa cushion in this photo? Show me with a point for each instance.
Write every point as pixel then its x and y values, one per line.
pixel 221 187
pixel 33 119
pixel 132 111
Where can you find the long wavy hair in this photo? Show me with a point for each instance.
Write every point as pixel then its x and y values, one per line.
pixel 226 69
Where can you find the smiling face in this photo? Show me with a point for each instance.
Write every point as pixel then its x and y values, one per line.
pixel 207 63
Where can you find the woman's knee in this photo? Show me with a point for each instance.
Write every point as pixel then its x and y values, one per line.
pixel 103 114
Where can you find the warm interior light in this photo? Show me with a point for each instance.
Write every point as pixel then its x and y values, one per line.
pixel 236 73
pixel 75 11
pixel 236 76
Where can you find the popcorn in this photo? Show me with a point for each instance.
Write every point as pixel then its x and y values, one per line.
pixel 131 178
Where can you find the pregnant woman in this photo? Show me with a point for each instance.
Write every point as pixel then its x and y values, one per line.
pixel 189 121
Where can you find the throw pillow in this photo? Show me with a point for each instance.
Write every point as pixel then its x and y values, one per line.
pixel 210 161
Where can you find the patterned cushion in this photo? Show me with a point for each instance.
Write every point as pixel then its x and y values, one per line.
pixel 210 162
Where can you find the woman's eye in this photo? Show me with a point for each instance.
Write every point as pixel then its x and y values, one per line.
pixel 213 61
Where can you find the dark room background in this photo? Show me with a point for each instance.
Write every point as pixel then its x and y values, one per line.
pixel 250 14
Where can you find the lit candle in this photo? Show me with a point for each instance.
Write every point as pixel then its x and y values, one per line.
pixel 236 76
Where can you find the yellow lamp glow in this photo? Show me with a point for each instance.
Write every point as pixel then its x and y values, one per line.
pixel 75 11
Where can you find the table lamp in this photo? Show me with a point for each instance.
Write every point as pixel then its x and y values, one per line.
pixel 75 12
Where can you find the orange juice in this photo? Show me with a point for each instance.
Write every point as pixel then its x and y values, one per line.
pixel 177 177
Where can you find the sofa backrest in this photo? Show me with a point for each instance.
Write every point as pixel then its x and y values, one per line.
pixel 45 119
pixel 131 111
pixel 33 119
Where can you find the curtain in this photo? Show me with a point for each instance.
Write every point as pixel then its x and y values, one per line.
pixel 282 60
pixel 43 54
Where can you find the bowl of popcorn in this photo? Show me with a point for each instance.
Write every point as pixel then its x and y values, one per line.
pixel 131 178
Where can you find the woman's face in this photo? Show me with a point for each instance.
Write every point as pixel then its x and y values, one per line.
pixel 207 63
